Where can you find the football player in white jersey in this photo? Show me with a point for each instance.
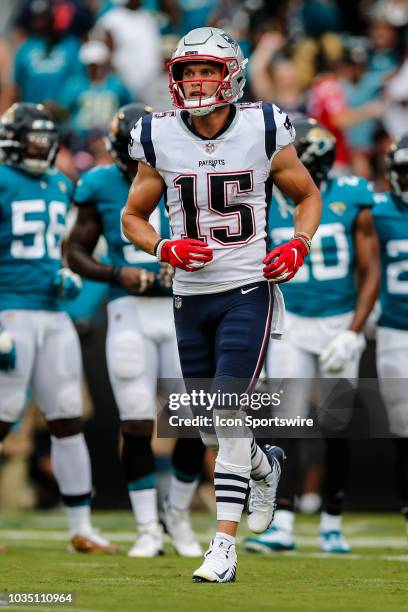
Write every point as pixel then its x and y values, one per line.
pixel 216 162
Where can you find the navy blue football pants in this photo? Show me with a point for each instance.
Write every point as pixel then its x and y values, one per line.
pixel 224 335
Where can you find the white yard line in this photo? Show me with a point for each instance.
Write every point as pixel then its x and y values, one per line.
pixel 39 536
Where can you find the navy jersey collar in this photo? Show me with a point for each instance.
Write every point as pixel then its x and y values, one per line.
pixel 185 116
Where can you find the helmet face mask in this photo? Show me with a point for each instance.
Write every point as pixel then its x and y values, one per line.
pixel 211 46
pixel 29 139
pixel 316 148
pixel 396 164
pixel 41 150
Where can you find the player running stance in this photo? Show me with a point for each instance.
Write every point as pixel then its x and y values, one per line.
pixel 141 342
pixel 391 220
pixel 216 162
pixel 39 347
pixel 326 313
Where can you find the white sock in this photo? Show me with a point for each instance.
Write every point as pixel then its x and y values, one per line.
pixel 72 470
pixel 284 519
pixel 79 519
pixel 260 466
pixel 330 522
pixel 181 493
pixel 144 505
pixel 225 536
pixel 71 464
pixel 231 478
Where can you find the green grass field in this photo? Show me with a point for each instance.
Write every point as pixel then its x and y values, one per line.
pixel 374 577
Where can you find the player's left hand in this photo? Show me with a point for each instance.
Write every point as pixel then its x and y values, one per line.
pixel 135 280
pixel 284 261
pixel 67 284
pixel 7 351
pixel 341 350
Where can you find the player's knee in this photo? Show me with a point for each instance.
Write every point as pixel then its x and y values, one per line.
pixel 143 428
pixel 12 406
pixel 135 401
pixel 68 402
pixel 63 428
pixel 127 358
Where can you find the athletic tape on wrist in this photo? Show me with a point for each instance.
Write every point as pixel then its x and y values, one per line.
pixel 158 248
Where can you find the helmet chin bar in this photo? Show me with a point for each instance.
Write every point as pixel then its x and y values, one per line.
pixel 35 166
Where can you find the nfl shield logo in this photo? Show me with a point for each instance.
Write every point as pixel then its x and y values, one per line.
pixel 210 147
pixel 178 302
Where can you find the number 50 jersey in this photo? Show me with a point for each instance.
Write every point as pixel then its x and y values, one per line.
pixel 217 189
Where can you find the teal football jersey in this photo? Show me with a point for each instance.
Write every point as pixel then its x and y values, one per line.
pixel 391 221
pixel 325 285
pixel 107 188
pixel 32 225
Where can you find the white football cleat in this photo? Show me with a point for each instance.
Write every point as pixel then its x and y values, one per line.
pixel 334 542
pixel 271 541
pixel 220 563
pixel 262 495
pixel 149 541
pixel 177 524
pixel 89 540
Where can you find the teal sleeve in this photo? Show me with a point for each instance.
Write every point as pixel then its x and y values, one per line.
pixel 86 188
pixel 365 194
pixel 18 68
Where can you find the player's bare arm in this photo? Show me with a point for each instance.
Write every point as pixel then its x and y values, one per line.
pixel 294 181
pixel 79 251
pixel 368 268
pixel 144 195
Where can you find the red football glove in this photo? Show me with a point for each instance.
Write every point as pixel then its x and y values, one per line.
pixel 284 261
pixel 187 254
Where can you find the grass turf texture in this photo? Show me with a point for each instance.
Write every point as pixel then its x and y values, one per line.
pixel 373 578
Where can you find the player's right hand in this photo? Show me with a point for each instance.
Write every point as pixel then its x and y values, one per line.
pixel 7 351
pixel 135 280
pixel 188 254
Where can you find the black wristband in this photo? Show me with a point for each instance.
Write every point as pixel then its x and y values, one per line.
pixel 156 246
pixel 115 275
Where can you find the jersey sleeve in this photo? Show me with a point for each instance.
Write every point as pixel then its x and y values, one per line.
pixel 285 131
pixel 365 194
pixel 366 197
pixel 136 149
pixel 86 190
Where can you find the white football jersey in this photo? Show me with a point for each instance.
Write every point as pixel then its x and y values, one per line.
pixel 218 189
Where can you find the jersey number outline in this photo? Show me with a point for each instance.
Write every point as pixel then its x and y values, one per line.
pixel 46 237
pixel 219 204
pixel 316 266
pixel 396 268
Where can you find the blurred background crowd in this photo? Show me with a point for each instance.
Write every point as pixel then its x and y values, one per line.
pixel 343 62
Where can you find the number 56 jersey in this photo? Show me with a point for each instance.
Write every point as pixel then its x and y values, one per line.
pixel 217 189
pixel 32 225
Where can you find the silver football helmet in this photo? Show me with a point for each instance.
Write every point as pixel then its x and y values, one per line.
pixel 214 46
